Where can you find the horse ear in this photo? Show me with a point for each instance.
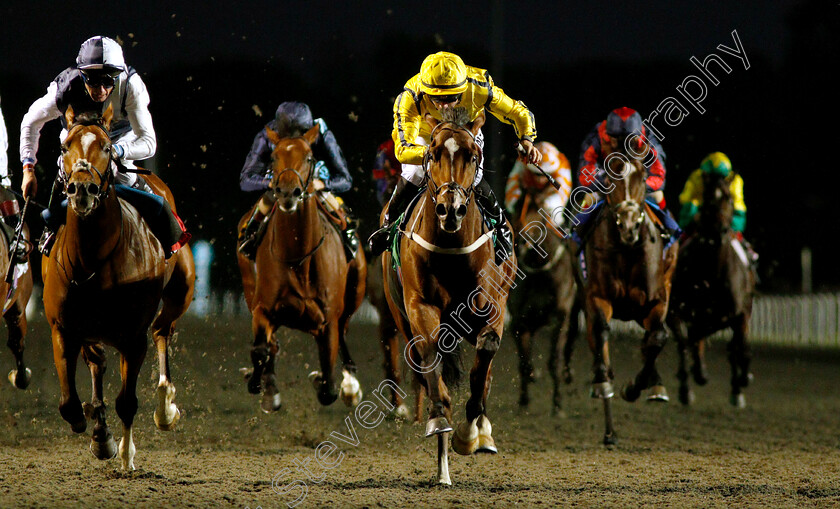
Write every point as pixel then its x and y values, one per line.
pixel 107 117
pixel 478 122
pixel 432 121
pixel 272 135
pixel 69 116
pixel 311 136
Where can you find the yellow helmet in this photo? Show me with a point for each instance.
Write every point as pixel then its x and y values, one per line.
pixel 443 73
pixel 718 163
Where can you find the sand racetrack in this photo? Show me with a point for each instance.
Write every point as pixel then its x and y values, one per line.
pixel 782 450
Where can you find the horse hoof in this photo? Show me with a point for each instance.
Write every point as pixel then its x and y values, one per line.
pixel 557 411
pixel 686 396
pixel 20 380
pixel 167 413
pixel 630 393
pixel 270 402
pixel 246 373
pixel 610 440
pixel 701 377
pixel 486 445
pixel 79 427
pixel 400 413
pixel 738 400
pixel 465 438
pixel 658 393
pixel 254 385
pixel 105 450
pixel 315 379
pixel 524 400
pixel 567 376
pixel 351 390
pixel 437 426
pixel 602 390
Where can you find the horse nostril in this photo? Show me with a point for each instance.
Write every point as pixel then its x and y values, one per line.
pixel 440 209
pixel 92 189
pixel 461 211
pixel 71 188
pixel 297 192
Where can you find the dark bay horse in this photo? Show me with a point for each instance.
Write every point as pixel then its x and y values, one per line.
pixel 713 290
pixel 305 280
pixel 547 296
pixel 628 277
pixel 15 298
pixel 103 283
pixel 449 287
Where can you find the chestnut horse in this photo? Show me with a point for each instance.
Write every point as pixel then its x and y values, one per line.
pixel 103 283
pixel 547 296
pixel 15 298
pixel 629 278
pixel 449 287
pixel 713 290
pixel 305 280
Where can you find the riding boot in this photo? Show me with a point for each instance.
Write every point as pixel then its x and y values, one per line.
pixel 504 238
pixel 381 239
pixel 251 235
pixel 53 217
pixel 349 237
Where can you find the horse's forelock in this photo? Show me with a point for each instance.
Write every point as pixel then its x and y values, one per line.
pixel 457 116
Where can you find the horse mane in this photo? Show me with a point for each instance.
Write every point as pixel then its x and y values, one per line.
pixel 87 118
pixel 457 116
pixel 287 127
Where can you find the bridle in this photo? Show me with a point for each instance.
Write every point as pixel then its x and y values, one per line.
pixel 105 177
pixel 450 186
pixel 310 159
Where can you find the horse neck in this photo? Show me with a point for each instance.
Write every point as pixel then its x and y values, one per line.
pixel 94 238
pixel 302 225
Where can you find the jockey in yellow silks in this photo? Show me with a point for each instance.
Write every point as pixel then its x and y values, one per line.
pixel 691 197
pixel 528 179
pixel 444 82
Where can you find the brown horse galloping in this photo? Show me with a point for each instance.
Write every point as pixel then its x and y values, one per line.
pixel 547 296
pixel 713 290
pixel 305 280
pixel 451 289
pixel 629 278
pixel 103 283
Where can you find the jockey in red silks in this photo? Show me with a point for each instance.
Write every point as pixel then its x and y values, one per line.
pixel 610 134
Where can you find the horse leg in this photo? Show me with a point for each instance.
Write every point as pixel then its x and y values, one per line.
pixel 648 377
pixel 560 339
pixel 389 340
pixel 177 296
pixel 475 434
pixel 15 319
pixel 739 361
pixel 65 356
pixel 680 334
pixel 598 313
pixel 526 367
pixel 569 344
pixel 350 391
pixel 102 443
pixel 419 399
pixel 259 352
pixel 131 361
pixel 440 413
pixel 698 352
pixel 324 380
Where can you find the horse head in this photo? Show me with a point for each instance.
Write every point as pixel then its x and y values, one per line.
pixel 451 163
pixel 626 171
pixel 293 168
pixel 718 206
pixel 86 154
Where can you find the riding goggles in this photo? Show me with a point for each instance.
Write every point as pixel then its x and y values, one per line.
pixel 445 99
pixel 99 79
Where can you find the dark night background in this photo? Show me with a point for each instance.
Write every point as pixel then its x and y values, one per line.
pixel 208 65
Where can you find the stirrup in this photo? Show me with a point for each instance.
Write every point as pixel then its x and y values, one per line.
pixel 380 240
pixel 504 245
pixel 351 243
pixel 46 242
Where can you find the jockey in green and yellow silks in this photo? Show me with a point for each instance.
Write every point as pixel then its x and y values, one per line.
pixel 691 197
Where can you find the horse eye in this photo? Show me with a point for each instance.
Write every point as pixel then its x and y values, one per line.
pixel 64 149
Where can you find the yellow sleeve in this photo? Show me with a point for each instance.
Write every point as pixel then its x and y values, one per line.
pixel 511 112
pixel 407 127
pixel 693 190
pixel 736 188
